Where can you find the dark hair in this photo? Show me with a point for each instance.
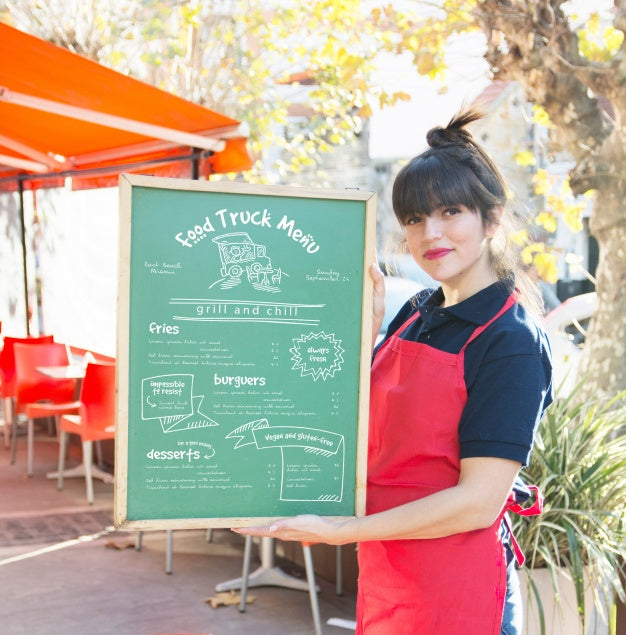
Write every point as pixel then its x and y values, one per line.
pixel 454 170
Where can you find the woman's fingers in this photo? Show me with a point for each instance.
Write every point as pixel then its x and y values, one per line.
pixel 283 530
pixel 253 531
pixel 305 528
pixel 378 307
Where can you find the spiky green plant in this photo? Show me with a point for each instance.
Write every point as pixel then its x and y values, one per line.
pixel 579 464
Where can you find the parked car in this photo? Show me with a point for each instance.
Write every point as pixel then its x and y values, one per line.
pixel 397 291
pixel 566 326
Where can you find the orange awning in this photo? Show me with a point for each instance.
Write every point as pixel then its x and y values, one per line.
pixel 64 115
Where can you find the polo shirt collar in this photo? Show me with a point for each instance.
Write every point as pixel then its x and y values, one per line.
pixel 478 309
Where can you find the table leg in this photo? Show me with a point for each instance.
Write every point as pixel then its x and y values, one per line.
pixel 267 574
pixel 79 472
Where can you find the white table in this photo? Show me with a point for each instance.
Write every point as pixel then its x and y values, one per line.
pixel 267 574
pixel 69 371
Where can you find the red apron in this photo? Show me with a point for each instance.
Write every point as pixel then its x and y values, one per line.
pixel 455 584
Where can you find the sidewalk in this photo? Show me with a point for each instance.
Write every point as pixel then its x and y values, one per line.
pixel 65 571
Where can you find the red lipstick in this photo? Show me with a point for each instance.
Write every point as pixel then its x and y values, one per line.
pixel 435 254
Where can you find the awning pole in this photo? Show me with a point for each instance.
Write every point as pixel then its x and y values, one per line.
pixel 23 235
pixel 195 164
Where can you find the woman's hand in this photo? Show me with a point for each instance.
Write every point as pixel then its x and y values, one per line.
pixel 305 528
pixel 378 309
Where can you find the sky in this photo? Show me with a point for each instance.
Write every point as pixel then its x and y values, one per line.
pixel 399 132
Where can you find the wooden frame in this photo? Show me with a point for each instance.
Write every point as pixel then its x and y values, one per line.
pixel 244 330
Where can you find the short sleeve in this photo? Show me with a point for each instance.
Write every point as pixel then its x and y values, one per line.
pixel 504 406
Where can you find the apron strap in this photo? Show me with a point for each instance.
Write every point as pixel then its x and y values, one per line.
pixel 401 328
pixel 517 550
pixel 510 301
pixel 406 323
pixel 534 510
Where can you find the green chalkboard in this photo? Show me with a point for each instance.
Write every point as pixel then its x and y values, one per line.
pixel 244 352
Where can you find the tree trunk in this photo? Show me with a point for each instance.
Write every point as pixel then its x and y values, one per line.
pixel 603 361
pixel 535 44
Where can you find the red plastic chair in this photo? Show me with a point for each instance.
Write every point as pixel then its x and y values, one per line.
pixel 7 376
pixel 32 387
pixel 95 421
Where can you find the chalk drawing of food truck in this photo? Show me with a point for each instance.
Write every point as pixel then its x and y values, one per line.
pixel 239 254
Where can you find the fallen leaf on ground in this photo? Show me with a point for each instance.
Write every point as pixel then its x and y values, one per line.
pixel 227 598
pixel 111 544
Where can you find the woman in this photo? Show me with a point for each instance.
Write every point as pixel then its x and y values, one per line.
pixel 457 389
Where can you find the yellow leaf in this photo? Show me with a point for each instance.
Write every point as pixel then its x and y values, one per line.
pixel 520 237
pixel 413 43
pixel 524 158
pixel 400 96
pixel 566 190
pixel 116 57
pixel 613 39
pixel 540 181
pixel 572 214
pixel 593 23
pixel 541 117
pixel 547 220
pixel 527 254
pixel 546 266
pixel 556 203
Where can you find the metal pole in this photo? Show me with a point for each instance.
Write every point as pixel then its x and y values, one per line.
pixel 20 186
pixel 310 576
pixel 195 164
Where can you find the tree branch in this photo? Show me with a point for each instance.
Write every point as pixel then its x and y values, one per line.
pixel 534 44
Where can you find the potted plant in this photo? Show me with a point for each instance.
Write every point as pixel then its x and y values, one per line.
pixel 579 465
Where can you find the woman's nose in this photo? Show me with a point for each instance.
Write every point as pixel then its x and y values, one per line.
pixel 432 228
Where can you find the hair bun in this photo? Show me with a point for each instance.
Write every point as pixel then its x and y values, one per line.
pixel 454 133
pixel 439 136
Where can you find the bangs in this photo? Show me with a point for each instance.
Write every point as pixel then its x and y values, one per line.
pixel 429 182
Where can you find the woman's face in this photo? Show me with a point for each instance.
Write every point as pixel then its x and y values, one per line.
pixel 451 246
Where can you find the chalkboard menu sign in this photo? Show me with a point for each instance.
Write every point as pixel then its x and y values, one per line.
pixel 244 342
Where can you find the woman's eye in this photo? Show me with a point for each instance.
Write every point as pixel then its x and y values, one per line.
pixel 413 220
pixel 451 211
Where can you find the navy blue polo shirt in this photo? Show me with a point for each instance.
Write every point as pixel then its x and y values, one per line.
pixel 508 369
